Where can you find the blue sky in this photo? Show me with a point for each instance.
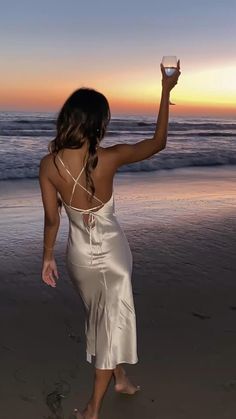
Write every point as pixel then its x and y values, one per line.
pixel 130 30
pixel 106 37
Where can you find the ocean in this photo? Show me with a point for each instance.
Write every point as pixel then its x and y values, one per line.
pixel 192 142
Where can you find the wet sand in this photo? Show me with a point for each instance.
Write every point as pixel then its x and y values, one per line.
pixel 181 226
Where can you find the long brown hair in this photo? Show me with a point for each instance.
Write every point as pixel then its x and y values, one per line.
pixel 83 117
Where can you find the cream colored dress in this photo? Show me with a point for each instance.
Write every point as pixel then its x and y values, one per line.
pixel 99 263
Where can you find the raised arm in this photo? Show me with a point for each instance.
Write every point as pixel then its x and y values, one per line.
pixel 130 153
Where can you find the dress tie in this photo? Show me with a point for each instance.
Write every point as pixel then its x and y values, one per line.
pixel 91 220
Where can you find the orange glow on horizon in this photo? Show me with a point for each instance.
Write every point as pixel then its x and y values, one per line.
pixel 199 92
pixel 182 108
pixel 126 106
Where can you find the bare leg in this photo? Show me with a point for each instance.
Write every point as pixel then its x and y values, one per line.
pixel 122 382
pixel 101 381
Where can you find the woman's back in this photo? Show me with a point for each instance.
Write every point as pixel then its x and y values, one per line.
pixel 68 164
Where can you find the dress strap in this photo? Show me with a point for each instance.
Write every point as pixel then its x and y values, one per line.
pixel 63 164
pixel 76 182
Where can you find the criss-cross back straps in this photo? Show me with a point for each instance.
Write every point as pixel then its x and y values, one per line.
pixel 76 182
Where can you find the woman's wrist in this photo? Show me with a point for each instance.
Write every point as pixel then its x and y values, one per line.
pixel 166 91
pixel 47 252
pixel 47 258
pixel 47 247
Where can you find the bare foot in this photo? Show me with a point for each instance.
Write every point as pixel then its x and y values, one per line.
pixel 124 385
pixel 86 414
pixel 122 382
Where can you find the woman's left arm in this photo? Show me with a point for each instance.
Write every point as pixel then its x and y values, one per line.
pixel 51 222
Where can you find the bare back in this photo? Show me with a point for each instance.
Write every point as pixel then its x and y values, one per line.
pixel 69 166
pixel 69 163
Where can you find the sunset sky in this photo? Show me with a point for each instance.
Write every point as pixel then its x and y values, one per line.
pixel 50 48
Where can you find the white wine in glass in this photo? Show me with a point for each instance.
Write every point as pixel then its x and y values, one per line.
pixel 170 63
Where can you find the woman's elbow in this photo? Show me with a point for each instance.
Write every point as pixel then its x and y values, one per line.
pixel 161 147
pixel 52 221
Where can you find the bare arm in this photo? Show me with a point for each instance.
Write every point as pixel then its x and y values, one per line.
pixel 130 153
pixel 51 213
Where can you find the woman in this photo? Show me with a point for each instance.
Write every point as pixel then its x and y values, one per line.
pixel 99 260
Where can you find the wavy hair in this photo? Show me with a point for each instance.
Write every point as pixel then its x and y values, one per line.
pixel 83 117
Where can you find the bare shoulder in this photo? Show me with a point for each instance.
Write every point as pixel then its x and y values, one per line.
pixel 46 163
pixel 45 159
pixel 107 154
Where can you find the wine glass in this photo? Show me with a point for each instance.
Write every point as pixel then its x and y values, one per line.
pixel 170 63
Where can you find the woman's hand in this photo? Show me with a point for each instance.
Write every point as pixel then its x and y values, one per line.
pixel 49 272
pixel 168 82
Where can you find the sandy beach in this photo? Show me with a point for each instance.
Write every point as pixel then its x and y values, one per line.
pixel 181 226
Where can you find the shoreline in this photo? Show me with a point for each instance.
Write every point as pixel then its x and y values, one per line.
pixel 183 240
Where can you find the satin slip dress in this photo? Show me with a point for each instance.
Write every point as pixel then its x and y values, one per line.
pixel 99 263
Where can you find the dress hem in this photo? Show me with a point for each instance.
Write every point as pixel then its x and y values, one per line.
pixel 89 359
